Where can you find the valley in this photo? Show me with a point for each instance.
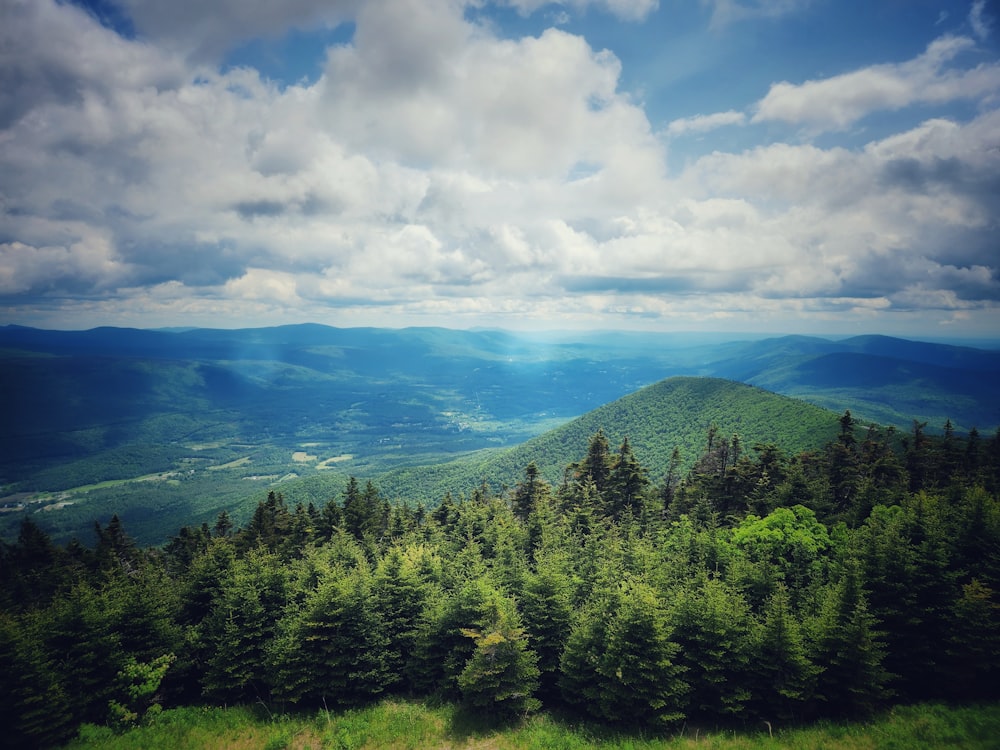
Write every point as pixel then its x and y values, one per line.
pixel 170 427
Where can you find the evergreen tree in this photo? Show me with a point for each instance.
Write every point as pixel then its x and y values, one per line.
pixel 851 679
pixel 239 630
pixel 596 466
pixel 333 653
pixel 782 676
pixel 501 676
pixel 34 705
pixel 712 630
pixel 639 679
pixel 627 482
pixel 547 609
pixel 398 597
pixel 529 492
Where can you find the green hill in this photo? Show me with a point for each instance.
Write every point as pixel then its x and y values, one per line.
pixel 676 412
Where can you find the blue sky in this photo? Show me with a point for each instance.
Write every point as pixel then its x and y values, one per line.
pixel 720 165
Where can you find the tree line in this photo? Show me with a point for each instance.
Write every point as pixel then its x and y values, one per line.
pixel 757 587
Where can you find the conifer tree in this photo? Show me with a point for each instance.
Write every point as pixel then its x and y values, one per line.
pixel 333 652
pixel 239 630
pixel 398 597
pixel 547 609
pixel 501 675
pixel 627 483
pixel 639 679
pixel 851 679
pixel 36 708
pixel 782 676
pixel 712 630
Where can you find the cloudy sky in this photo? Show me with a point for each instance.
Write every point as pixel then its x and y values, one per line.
pixel 824 166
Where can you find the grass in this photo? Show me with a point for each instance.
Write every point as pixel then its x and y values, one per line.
pixel 404 725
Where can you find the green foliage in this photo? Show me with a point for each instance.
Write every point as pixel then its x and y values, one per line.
pixel 501 676
pixel 139 682
pixel 635 613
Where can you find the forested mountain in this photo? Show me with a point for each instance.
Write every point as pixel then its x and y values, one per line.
pixel 760 587
pixel 680 413
pixel 880 378
pixel 162 426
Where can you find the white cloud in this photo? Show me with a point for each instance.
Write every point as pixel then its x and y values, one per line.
pixel 725 12
pixel 705 123
pixel 980 23
pixel 628 10
pixel 437 170
pixel 838 102
pixel 206 29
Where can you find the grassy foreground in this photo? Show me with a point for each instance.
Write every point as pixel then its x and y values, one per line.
pixel 398 725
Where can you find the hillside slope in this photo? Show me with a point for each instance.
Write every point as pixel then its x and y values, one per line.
pixel 879 378
pixel 676 412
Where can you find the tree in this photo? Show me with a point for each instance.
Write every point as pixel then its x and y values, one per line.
pixel 640 680
pixel 546 605
pixel 782 676
pixel 501 676
pixel 851 679
pixel 973 645
pixel 597 464
pixel 712 630
pixel 398 596
pixel 627 482
pixel 239 630
pixel 333 652
pixel 528 493
pixel 619 663
pixel 36 709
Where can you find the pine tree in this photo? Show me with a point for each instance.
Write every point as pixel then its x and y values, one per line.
pixel 639 679
pixel 596 466
pixel 239 630
pixel 547 609
pixel 34 704
pixel 782 676
pixel 501 676
pixel 333 652
pixel 398 597
pixel 627 482
pixel 711 627
pixel 529 492
pixel 851 679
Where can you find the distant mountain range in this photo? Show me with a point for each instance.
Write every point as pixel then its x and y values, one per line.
pixel 212 418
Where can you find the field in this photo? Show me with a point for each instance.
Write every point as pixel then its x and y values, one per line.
pixel 394 725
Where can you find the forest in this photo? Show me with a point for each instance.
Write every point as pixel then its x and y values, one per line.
pixel 758 586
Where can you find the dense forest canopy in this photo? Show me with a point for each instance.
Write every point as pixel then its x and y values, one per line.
pixel 760 585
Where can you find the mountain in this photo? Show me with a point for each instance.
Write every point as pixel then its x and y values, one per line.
pixel 676 412
pixel 170 424
pixel 879 378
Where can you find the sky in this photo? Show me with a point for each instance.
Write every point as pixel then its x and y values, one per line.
pixel 787 166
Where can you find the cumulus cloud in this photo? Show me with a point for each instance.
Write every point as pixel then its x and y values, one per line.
pixel 206 29
pixel 438 171
pixel 838 102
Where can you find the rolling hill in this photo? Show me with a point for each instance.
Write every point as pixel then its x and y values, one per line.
pixel 171 426
pixel 676 412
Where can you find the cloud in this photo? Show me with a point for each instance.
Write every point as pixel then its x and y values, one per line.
pixel 837 103
pixel 439 172
pixel 206 29
pixel 980 23
pixel 704 123
pixel 725 12
pixel 628 10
